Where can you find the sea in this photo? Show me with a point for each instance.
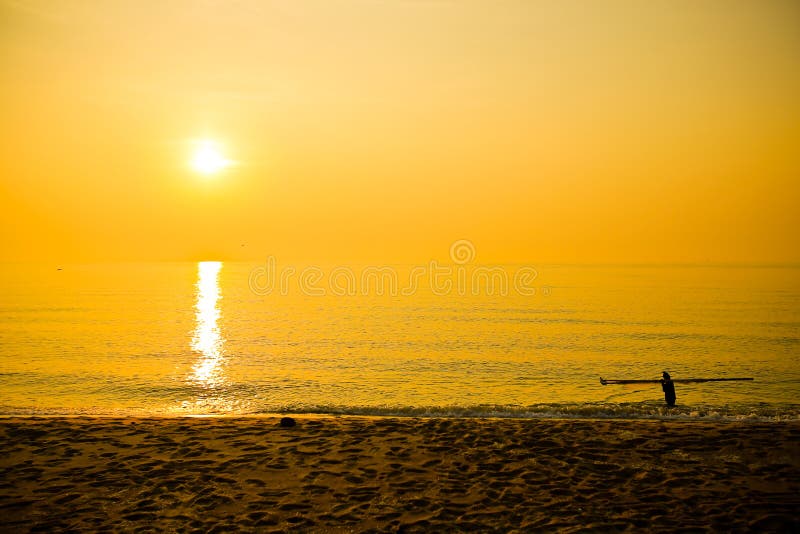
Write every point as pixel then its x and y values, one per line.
pixel 452 340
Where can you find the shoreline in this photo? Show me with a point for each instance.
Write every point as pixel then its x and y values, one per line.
pixel 653 411
pixel 757 420
pixel 323 415
pixel 362 473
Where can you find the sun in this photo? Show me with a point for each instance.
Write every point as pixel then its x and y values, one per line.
pixel 207 158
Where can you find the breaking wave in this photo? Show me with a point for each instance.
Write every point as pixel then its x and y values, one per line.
pixel 631 410
pixel 639 410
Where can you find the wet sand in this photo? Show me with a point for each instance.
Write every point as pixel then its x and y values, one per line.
pixel 354 474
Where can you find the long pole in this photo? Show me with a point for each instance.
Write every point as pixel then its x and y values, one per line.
pixel 682 380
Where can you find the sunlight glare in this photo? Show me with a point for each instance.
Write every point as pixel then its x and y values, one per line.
pixel 207 339
pixel 208 158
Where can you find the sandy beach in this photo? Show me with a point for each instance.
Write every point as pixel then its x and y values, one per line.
pixel 355 474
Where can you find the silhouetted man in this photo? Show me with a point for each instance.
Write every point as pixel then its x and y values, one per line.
pixel 669 389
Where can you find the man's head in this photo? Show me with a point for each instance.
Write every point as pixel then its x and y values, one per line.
pixel 665 375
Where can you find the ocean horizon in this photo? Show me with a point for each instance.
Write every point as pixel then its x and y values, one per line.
pixel 215 338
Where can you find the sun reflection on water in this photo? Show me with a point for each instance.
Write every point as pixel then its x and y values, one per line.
pixel 207 340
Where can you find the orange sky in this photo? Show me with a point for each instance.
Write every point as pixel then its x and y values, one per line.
pixel 383 131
